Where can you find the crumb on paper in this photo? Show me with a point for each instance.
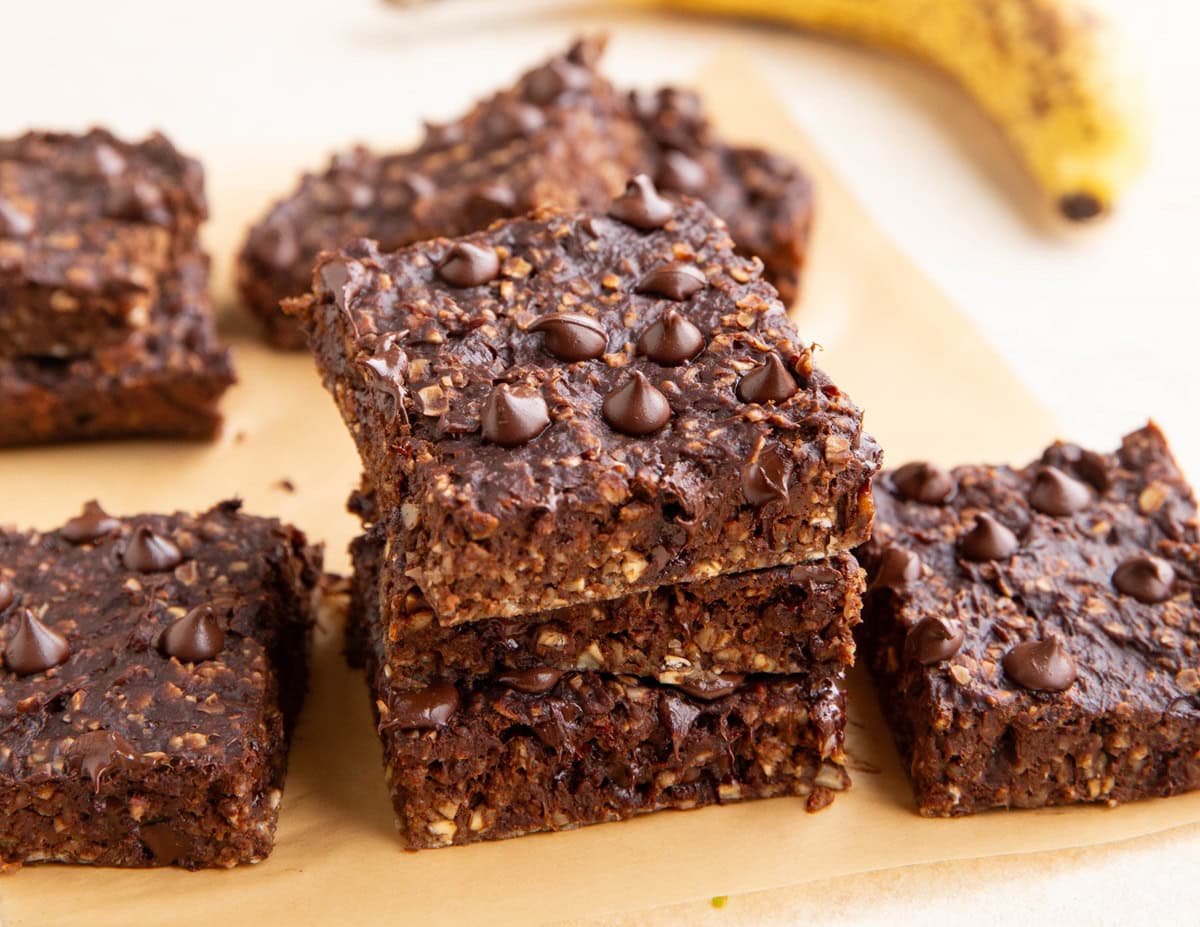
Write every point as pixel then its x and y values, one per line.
pixel 239 437
pixel 718 901
pixel 285 484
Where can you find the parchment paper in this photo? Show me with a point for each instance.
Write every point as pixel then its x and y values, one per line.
pixel 932 388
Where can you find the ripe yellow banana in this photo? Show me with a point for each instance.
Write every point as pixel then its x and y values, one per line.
pixel 1051 73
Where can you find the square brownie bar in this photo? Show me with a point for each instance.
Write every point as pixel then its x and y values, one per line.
pixel 702 637
pixel 562 136
pixel 152 669
pixel 1035 633
pixel 501 757
pixel 572 407
pixel 88 224
pixel 164 380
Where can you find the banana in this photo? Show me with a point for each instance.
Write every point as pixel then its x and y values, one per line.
pixel 1051 73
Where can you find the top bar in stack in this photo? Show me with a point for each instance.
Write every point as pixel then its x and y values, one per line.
pixel 88 224
pixel 562 135
pixel 572 407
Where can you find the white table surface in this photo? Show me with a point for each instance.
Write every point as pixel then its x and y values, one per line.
pixel 1103 324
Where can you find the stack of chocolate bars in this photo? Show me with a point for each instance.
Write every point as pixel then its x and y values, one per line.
pixel 105 324
pixel 608 505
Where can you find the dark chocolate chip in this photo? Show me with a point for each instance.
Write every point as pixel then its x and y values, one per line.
pixel 90 525
pixel 513 119
pixel 934 639
pixel 988 540
pixel 490 202
pixel 443 135
pixel 534 681
pixel 425 709
pixel 898 567
pixel 709 688
pixel 553 79
pixel 7 596
pixel 770 381
pixel 386 370
pixel 139 201
pixel 679 172
pixel 165 845
pixel 338 278
pixel 1055 493
pixel 672 340
pixel 675 280
pixel 96 752
pixel 14 223
pixel 571 336
pixel 148 552
pixel 469 265
pixel 637 407
pixel 33 647
pixel 814 574
pixel 512 418
pixel 276 245
pixel 1044 666
pixel 923 482
pixel 195 637
pixel 1148 579
pixel 765 479
pixel 678 715
pixel 641 206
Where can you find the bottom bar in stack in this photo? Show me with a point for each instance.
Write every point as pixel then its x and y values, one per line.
pixel 518 751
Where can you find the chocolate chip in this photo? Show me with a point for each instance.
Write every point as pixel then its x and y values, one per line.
pixel 675 280
pixel 276 245
pixel 571 336
pixel 710 688
pixel 1150 580
pixel 468 265
pixel 513 119
pixel 1079 207
pixel 534 681
pixel 195 637
pixel 7 596
pixel 988 540
pixel 765 478
pixel 672 340
pixel 148 552
pixel 511 418
pixel 898 567
pixel 339 278
pixel 923 482
pixel 490 202
pixel 1044 666
pixel 637 407
pixel 679 172
pixel 14 223
pixel 90 525
pixel 96 752
pixel 165 845
pixel 33 647
pixel 934 639
pixel 553 79
pixel 814 574
pixel 641 206
pixel 677 715
pixel 1055 493
pixel 444 135
pixel 139 201
pixel 425 709
pixel 386 370
pixel 770 381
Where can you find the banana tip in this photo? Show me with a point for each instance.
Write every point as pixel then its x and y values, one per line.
pixel 1079 207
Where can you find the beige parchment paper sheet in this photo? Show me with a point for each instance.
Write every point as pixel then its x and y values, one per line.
pixel 931 387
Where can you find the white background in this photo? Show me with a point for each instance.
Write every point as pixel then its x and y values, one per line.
pixel 1103 323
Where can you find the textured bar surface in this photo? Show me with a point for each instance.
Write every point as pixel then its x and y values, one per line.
pixel 595 505
pixel 1078 671
pixel 149 743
